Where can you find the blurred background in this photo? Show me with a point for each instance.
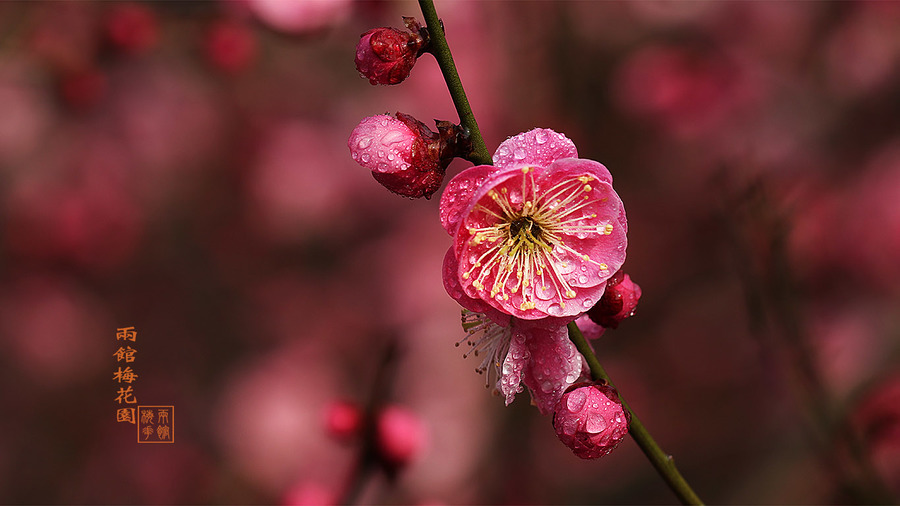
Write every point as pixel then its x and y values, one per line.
pixel 182 168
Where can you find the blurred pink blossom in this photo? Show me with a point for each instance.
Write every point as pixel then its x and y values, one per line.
pixel 401 435
pixel 53 330
pixel 309 494
pixel 878 416
pixel 685 92
pixel 268 419
pixel 131 28
pixel 300 17
pixel 300 180
pixel 94 225
pixel 230 46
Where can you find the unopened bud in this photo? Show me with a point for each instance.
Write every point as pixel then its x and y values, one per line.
pixel 590 419
pixel 343 420
pixel 400 436
pixel 404 155
pixel 618 302
pixel 387 55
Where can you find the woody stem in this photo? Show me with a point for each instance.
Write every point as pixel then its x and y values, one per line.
pixel 441 52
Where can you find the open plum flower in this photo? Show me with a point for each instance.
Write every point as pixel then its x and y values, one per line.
pixel 536 237
pixel 537 234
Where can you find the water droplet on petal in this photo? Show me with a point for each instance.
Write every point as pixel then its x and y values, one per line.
pixel 364 142
pixel 519 154
pixel 587 304
pixel 366 157
pixel 540 137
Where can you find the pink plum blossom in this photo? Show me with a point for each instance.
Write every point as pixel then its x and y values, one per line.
pixel 536 235
pixel 590 420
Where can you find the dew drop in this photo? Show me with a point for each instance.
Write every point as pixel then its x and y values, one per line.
pixel 582 279
pixel 390 156
pixel 364 142
pixel 555 310
pixel 588 303
pixel 576 399
pixel 366 157
pixel 519 154
pixel 540 137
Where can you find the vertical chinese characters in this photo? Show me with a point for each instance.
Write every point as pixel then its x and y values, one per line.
pixel 125 394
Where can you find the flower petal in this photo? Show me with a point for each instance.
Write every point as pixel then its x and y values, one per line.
pixel 540 147
pixel 451 284
pixel 583 165
pixel 510 382
pixel 554 365
pixel 457 195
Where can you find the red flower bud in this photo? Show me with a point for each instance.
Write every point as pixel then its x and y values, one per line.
pixel 404 155
pixel 387 55
pixel 618 301
pixel 590 419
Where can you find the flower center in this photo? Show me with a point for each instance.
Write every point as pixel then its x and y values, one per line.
pixel 525 229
